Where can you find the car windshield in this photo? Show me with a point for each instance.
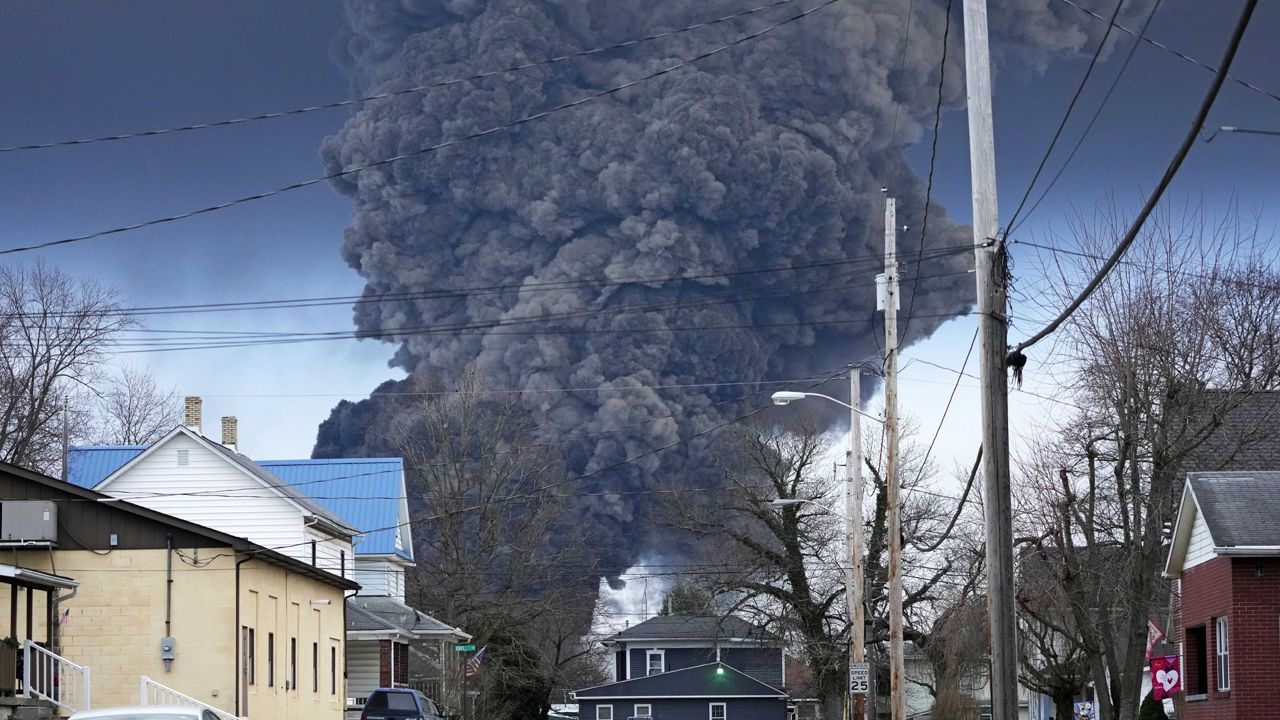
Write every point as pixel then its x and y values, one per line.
pixel 391 701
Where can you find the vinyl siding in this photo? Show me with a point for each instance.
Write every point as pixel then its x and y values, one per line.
pixel 699 709
pixel 1200 546
pixel 763 664
pixel 362 667
pixel 680 658
pixel 274 522
pixel 374 577
pixel 331 553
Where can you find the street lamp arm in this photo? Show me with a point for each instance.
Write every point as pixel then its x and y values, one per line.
pixel 783 397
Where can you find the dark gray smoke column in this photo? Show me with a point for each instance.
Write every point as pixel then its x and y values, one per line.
pixel 771 154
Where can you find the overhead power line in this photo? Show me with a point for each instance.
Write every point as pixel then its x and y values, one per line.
pixel 933 160
pixel 425 150
pixel 1177 53
pixel 397 93
pixel 775 291
pixel 453 293
pixel 1229 57
pixel 1057 134
pixel 1115 82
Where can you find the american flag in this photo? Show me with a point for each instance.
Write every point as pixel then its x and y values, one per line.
pixel 473 665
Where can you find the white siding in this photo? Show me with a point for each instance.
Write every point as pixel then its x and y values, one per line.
pixel 331 554
pixel 379 577
pixel 223 487
pixel 372 576
pixel 362 668
pixel 1200 546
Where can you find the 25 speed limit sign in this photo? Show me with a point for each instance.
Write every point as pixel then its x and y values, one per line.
pixel 859 678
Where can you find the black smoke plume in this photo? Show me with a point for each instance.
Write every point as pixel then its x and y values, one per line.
pixel 769 155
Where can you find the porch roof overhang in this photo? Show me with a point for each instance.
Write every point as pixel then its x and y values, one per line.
pixel 26 577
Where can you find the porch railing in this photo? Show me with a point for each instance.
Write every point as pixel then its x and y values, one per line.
pixel 51 677
pixel 153 693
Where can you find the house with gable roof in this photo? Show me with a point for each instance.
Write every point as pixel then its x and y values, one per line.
pixel 1224 559
pixel 691 667
pixel 367 496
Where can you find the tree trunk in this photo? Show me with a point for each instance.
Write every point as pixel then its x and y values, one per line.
pixel 1063 706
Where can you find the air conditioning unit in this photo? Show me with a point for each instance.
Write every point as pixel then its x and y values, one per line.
pixel 28 523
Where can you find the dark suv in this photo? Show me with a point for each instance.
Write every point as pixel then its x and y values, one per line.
pixel 399 704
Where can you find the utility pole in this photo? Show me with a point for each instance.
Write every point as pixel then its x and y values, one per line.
pixel 854 583
pixel 993 345
pixel 897 681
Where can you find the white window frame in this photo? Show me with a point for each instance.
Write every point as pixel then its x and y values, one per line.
pixel 600 716
pixel 724 711
pixel 648 662
pixel 648 710
pixel 1222 647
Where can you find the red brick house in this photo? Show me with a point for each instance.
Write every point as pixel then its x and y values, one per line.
pixel 1224 561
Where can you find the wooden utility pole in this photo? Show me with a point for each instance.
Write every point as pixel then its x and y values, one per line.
pixel 897 680
pixel 993 346
pixel 854 583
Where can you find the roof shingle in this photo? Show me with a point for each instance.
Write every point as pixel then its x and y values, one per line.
pixel 1242 509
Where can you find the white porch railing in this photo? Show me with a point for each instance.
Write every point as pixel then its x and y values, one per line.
pixel 49 676
pixel 153 693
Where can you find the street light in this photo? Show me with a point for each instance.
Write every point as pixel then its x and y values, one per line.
pixel 853 576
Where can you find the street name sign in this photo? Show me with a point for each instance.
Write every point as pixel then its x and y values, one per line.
pixel 465 648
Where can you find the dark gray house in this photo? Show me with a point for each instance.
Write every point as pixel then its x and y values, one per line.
pixel 686 667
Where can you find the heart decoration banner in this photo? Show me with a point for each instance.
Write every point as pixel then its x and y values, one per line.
pixel 1166 676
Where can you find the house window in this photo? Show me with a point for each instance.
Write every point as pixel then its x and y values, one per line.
pixel 315 667
pixel 333 670
pixel 313 553
pixel 604 712
pixel 342 563
pixel 1197 656
pixel 644 711
pixel 249 655
pixel 184 458
pixel 718 711
pixel 654 661
pixel 1221 641
pixel 293 664
pixel 271 659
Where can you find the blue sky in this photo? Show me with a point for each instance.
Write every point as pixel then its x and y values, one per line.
pixel 73 69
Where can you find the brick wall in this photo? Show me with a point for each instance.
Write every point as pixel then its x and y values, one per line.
pixel 1254 635
pixel 1247 592
pixel 384 663
pixel 1206 594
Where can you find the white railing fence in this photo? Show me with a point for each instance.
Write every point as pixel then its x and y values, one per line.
pixel 153 693
pixel 49 676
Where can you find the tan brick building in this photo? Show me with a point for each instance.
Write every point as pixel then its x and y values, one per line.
pixel 255 633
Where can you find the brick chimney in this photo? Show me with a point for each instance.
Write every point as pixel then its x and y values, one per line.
pixel 229 432
pixel 191 412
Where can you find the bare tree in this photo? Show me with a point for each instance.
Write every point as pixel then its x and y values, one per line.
pixel 496 553
pixel 54 334
pixel 1177 338
pixel 134 410
pixel 783 567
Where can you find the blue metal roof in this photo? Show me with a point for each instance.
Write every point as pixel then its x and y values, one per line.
pixel 88 465
pixel 363 492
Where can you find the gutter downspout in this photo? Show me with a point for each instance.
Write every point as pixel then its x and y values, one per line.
pixel 168 594
pixel 238 672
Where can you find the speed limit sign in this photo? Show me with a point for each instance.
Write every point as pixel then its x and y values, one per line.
pixel 859 678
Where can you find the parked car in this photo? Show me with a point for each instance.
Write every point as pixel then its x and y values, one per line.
pixel 147 712
pixel 399 704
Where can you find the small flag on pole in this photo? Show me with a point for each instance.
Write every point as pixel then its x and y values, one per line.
pixel 473 665
pixel 1154 636
pixel 66 617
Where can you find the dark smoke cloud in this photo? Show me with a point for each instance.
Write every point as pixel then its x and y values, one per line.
pixel 771 154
